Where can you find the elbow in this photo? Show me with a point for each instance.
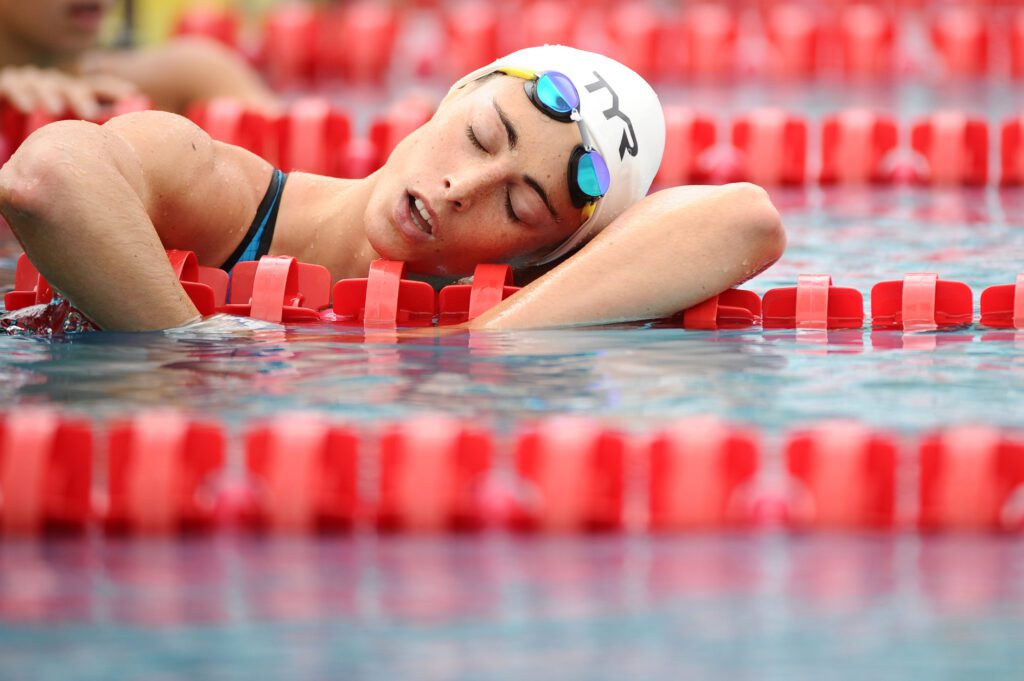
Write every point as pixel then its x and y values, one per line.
pixel 42 168
pixel 18 188
pixel 761 223
pixel 21 192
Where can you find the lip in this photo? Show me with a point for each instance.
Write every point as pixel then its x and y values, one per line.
pixel 86 15
pixel 402 215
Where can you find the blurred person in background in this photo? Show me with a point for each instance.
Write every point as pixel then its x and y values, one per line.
pixel 51 59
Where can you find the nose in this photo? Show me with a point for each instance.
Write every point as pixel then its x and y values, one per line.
pixel 466 185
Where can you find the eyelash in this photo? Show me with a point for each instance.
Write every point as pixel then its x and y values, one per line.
pixel 508 192
pixel 473 138
pixel 508 206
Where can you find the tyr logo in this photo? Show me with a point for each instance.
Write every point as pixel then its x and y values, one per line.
pixel 628 142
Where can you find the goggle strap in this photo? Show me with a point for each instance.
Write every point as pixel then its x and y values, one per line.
pixel 525 74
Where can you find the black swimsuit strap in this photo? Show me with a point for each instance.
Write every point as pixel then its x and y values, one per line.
pixel 265 218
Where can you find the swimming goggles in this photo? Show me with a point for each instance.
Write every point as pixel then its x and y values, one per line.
pixel 554 94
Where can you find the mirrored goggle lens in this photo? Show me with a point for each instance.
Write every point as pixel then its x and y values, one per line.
pixel 557 92
pixel 592 175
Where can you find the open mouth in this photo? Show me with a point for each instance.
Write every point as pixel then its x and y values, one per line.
pixel 420 215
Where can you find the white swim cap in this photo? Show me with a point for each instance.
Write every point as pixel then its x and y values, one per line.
pixel 622 116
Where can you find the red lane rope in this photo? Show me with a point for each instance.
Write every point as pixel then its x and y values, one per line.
pixel 164 473
pixel 280 289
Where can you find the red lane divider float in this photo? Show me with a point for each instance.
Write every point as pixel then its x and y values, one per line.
pixel 698 472
pixel 572 475
pixel 773 147
pixel 303 470
pixel 793 33
pixel 279 289
pixel 30 288
pixel 459 303
pixel 814 303
pixel 854 147
pixel 1017 44
pixel 731 309
pixel 708 33
pixel 634 31
pixel 435 473
pixel 547 22
pixel 688 136
pixel 471 35
pixel 921 302
pixel 207 287
pixel 867 40
pixel 314 138
pixel 846 476
pixel 400 120
pixel 1012 152
pixel 968 475
pixel 961 38
pixel 432 473
pixel 209 22
pixel 162 465
pixel 1002 307
pixel 45 471
pixel 955 147
pixel 356 41
pixel 286 54
pixel 384 298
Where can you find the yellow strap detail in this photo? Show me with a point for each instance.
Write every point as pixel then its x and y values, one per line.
pixel 525 74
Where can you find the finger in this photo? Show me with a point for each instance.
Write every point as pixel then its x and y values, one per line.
pixel 16 90
pixel 46 90
pixel 81 99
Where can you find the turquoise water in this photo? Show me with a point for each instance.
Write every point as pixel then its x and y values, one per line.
pixel 704 607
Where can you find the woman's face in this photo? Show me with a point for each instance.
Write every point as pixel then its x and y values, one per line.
pixel 58 27
pixel 489 170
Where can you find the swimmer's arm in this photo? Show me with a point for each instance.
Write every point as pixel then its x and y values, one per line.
pixel 187 70
pixel 668 252
pixel 94 208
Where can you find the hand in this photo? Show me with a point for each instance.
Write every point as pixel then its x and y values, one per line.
pixel 30 88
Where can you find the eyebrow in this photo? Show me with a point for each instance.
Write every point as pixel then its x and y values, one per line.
pixel 513 140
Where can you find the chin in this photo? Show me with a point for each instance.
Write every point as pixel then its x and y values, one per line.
pixel 72 47
pixel 382 235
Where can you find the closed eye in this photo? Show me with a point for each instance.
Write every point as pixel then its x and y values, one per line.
pixel 474 139
pixel 508 206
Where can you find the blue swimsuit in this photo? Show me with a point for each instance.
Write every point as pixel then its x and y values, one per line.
pixel 257 240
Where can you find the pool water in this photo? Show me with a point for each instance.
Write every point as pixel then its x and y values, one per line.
pixel 495 607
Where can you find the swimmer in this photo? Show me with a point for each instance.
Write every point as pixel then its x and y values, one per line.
pixel 542 160
pixel 49 60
